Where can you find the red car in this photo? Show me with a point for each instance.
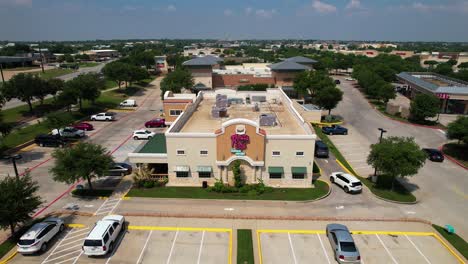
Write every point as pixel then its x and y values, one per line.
pixel 158 122
pixel 84 126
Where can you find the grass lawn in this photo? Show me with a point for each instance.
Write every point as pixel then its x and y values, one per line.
pixel 282 194
pixel 457 151
pixel 456 241
pixel 245 254
pixel 88 64
pixel 53 73
pixel 6 246
pixel 15 114
pixel 399 194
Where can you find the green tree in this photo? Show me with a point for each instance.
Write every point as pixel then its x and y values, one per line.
pixel 329 98
pixel 396 157
pixel 57 120
pixel 424 106
pixel 302 83
pixel 386 92
pixel 83 161
pixel 19 198
pixel 54 86
pixel 236 172
pixel 176 80
pixel 21 87
pixel 116 71
pixel 136 74
pixel 67 97
pixel 463 65
pixel 458 129
pixel 85 87
pixel 444 69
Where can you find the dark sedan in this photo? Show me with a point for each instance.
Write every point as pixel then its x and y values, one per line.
pixel 120 169
pixel 434 154
pixel 84 126
pixel 335 130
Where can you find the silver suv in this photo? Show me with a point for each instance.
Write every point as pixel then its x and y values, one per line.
pixel 343 245
pixel 37 237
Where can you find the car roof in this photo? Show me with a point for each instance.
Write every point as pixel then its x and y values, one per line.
pixel 99 228
pixel 321 143
pixel 34 230
pixel 113 218
pixel 341 231
pixel 432 150
pixel 349 177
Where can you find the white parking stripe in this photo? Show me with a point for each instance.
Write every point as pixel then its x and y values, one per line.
pixel 69 232
pixel 74 252
pixel 292 248
pixel 172 247
pixel 414 245
pixel 386 249
pixel 201 247
pixel 323 248
pixel 77 258
pixel 74 241
pixel 83 235
pixel 68 248
pixel 79 230
pixel 63 261
pixel 115 206
pixel 144 247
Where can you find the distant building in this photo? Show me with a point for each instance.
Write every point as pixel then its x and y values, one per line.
pixel 453 93
pixel 160 64
pixel 102 55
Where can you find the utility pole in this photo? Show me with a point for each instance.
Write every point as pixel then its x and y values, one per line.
pixel 42 59
pixel 382 131
pixel 1 72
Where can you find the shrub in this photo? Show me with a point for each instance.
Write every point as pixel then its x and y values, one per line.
pixel 219 187
pixel 237 174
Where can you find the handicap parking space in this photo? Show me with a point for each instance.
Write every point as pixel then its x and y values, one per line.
pixel 302 246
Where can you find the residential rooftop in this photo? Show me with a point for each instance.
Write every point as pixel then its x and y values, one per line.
pixel 287 121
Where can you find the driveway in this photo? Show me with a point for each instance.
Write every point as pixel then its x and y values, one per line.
pixel 442 188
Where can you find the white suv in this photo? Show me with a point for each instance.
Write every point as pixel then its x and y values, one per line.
pixel 348 182
pixel 37 237
pixel 143 134
pixel 103 117
pixel 102 239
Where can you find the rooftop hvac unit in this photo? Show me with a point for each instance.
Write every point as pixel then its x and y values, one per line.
pixel 218 112
pixel 222 103
pixel 255 108
pixel 267 120
pixel 258 98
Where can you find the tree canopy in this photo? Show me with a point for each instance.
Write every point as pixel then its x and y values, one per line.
pixel 57 120
pixel 84 87
pixel 19 198
pixel 424 106
pixel 83 161
pixel 458 129
pixel 329 97
pixel 176 80
pixel 21 86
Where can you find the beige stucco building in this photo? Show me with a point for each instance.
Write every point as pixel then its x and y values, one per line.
pixel 263 130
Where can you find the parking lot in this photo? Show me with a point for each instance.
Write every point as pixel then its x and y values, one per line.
pixel 143 244
pixel 302 246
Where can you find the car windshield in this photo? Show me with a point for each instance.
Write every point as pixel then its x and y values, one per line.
pixel 26 242
pixel 347 247
pixel 148 132
pixel 92 243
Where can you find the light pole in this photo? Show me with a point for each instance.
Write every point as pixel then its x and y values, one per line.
pixel 13 159
pixel 382 131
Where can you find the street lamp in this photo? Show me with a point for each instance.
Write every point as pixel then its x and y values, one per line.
pixel 382 131
pixel 13 159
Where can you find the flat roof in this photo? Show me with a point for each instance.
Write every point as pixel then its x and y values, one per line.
pixel 201 120
pixel 434 82
pixel 155 145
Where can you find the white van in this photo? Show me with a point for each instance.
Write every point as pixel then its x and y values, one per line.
pixel 128 103
pixel 103 237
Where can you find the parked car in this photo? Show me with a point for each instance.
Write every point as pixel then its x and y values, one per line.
pixel 157 122
pixel 44 140
pixel 335 130
pixel 349 79
pixel 102 239
pixel 321 149
pixel 143 134
pixel 434 154
pixel 120 169
pixel 109 116
pixel 128 103
pixel 337 81
pixel 348 182
pixel 69 132
pixel 342 243
pixel 38 236
pixel 84 126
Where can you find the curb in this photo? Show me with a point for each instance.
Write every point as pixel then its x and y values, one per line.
pixel 452 159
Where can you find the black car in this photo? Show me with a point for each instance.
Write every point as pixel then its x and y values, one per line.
pixel 50 141
pixel 321 149
pixel 335 130
pixel 337 81
pixel 434 154
pixel 120 169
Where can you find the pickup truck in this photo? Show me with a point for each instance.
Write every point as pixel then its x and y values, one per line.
pixel 109 116
pixel 335 130
pixel 69 132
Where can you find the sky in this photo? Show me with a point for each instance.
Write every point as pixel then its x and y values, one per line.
pixel 385 20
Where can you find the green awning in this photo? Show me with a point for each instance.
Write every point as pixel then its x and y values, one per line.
pixel 275 170
pixel 299 170
pixel 204 169
pixel 181 168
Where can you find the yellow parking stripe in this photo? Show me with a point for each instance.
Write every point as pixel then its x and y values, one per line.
pixel 9 258
pixel 448 248
pixel 28 148
pixel 394 233
pixel 259 246
pixel 75 225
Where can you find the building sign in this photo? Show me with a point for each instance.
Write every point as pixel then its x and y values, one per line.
pixel 443 96
pixel 239 144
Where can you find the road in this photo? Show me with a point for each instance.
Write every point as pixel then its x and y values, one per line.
pixel 442 188
pixel 15 102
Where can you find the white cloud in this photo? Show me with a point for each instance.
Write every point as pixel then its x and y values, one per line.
pixel 456 6
pixel 322 7
pixel 354 4
pixel 265 13
pixel 228 12
pixel 248 10
pixel 171 8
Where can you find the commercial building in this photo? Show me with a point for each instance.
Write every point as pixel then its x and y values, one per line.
pixel 265 131
pixel 209 72
pixel 452 92
pixel 102 55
